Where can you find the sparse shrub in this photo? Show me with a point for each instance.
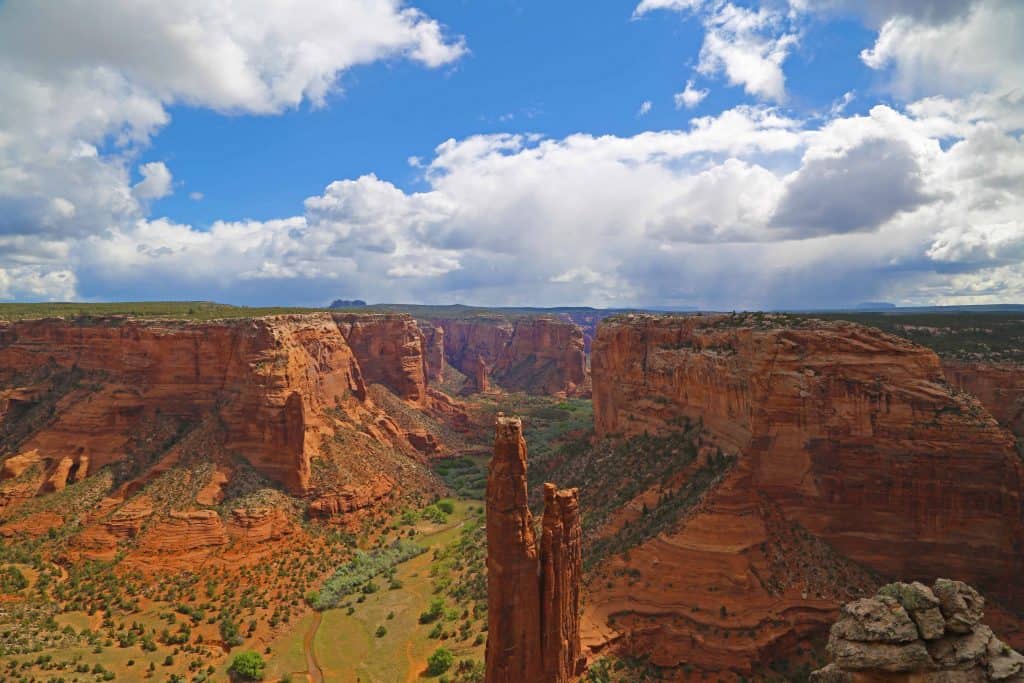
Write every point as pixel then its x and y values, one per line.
pixel 247 666
pixel 440 661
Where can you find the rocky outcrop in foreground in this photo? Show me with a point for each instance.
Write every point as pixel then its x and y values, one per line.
pixel 910 632
pixel 533 591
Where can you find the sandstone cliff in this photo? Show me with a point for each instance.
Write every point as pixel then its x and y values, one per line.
pixel 390 351
pixel 533 591
pixel 853 450
pixel 433 350
pixel 190 406
pixel 999 387
pixel 910 632
pixel 537 355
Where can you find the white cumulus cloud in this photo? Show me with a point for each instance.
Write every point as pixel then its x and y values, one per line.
pixel 691 96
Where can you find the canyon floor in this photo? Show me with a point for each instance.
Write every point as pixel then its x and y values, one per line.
pixel 309 486
pixel 383 631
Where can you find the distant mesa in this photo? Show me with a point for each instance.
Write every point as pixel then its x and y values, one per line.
pixel 874 306
pixel 348 303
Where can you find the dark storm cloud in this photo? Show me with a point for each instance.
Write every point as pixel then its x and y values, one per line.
pixel 854 192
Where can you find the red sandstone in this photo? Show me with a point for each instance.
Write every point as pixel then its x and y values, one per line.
pixel 533 591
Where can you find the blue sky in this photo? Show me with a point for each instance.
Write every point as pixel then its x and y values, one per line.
pixel 551 68
pixel 498 152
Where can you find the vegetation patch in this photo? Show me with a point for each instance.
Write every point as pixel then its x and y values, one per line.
pixel 358 572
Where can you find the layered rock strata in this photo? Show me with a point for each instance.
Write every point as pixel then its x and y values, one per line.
pixel 390 351
pixel 537 355
pixel 999 387
pixel 433 350
pixel 78 388
pixel 853 433
pixel 910 632
pixel 533 589
pixel 856 459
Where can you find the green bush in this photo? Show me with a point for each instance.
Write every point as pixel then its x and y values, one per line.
pixel 355 575
pixel 247 666
pixel 381 631
pixel 440 661
pixel 446 506
pixel 12 580
pixel 435 612
pixel 433 513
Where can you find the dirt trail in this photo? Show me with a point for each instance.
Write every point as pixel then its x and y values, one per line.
pixel 414 670
pixel 316 674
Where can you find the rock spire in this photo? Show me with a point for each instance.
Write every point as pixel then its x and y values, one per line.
pixel 533 588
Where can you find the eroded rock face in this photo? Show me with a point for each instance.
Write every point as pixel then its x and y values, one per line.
pixel 999 387
pixel 433 350
pixel 271 381
pixel 561 570
pixel 180 538
pixel 876 639
pixel 390 351
pixel 350 501
pixel 854 457
pixel 851 432
pixel 533 590
pixel 536 355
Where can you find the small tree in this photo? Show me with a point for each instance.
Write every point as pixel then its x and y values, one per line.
pixel 247 666
pixel 440 661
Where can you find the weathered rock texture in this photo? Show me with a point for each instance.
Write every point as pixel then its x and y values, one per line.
pixel 538 355
pixel 855 457
pixel 999 387
pixel 186 407
pixel 270 380
pixel 433 350
pixel 533 591
pixel 389 348
pixel 910 632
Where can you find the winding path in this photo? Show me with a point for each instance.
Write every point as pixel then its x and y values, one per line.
pixel 313 666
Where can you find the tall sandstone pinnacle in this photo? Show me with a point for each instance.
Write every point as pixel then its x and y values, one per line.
pixel 533 589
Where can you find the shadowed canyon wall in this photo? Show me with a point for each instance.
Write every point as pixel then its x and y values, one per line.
pixel 854 454
pixel 533 589
pixel 999 387
pixel 539 355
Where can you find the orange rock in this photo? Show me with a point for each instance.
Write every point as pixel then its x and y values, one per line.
pixel 852 447
pixel 271 381
pixel 14 466
pixel 350 499
pixel 481 376
pixel 389 348
pixel 423 441
pixel 259 525
pixel 538 355
pixel 58 479
pixel 33 525
pixel 213 492
pixel 181 538
pixel 999 387
pixel 561 571
pixel 433 350
pixel 532 590
pixel 100 540
pixel 513 591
